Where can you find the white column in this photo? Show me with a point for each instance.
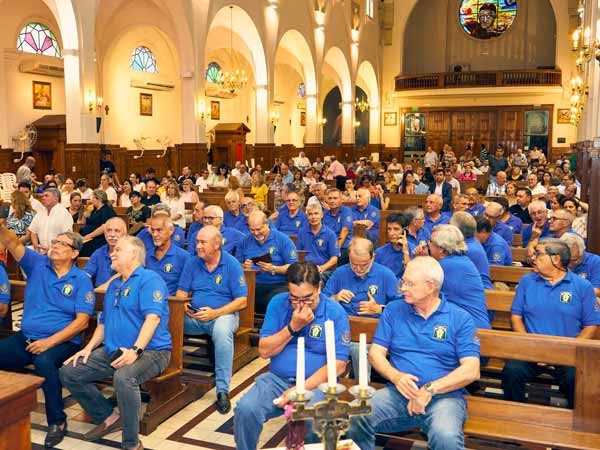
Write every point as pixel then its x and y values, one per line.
pixel 374 125
pixel 80 122
pixel 348 122
pixel 264 130
pixel 312 127
pixel 4 137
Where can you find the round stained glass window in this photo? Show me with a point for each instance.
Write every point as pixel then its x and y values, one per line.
pixel 483 19
pixel 37 38
pixel 142 60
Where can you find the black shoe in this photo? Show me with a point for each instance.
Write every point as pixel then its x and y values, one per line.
pixel 223 403
pixel 55 435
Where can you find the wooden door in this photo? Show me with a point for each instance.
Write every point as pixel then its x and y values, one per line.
pixel 438 129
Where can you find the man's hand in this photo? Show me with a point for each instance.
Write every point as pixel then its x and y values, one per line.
pixel 418 404
pixel 369 307
pixel 406 385
pixel 283 399
pixel 421 250
pixel 128 357
pixel 302 316
pixel 85 354
pixel 206 314
pixel 39 346
pixel 40 249
pixel 344 295
pixel 266 267
pixel 536 232
pixel 247 264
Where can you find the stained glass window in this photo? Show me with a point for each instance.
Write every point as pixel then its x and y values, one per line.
pixel 486 19
pixel 214 73
pixel 37 38
pixel 143 60
pixel 301 90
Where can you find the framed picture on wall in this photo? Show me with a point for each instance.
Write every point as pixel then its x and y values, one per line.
pixel 563 115
pixel 215 110
pixel 145 104
pixel 390 119
pixel 42 95
pixel 302 118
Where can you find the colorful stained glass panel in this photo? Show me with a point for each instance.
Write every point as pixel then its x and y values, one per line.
pixel 142 60
pixel 214 73
pixel 486 19
pixel 37 38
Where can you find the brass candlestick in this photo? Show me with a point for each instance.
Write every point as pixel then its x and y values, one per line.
pixel 331 417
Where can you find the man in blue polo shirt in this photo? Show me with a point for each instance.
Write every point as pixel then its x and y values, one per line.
pixel 273 252
pixel 494 212
pixel 4 293
pixel 164 257
pixel 584 264
pixel 433 354
pixel 497 251
pixel 194 227
pixel 59 299
pixel 540 226
pixel 395 254
pixel 291 219
pixel 416 233
pixel 363 213
pixel 552 301
pixel 475 209
pixel 433 212
pixel 233 217
pixel 467 225
pixel 300 313
pixel 513 222
pixel 213 215
pixel 319 241
pixel 98 266
pixel 339 219
pixel 134 327
pixel 215 280
pixel 178 236
pixel 462 282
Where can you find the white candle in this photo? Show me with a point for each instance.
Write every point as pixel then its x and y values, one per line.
pixel 300 367
pixel 330 347
pixel 362 361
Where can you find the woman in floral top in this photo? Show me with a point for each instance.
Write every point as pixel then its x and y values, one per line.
pixel 20 217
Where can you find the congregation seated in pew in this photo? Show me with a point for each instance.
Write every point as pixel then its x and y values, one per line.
pixel 232 238
pixel 395 254
pixel 98 267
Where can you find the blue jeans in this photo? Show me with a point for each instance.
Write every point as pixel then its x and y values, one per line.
pixel 256 407
pixel 46 364
pixel 354 348
pixel 222 331
pixel 126 381
pixel 443 420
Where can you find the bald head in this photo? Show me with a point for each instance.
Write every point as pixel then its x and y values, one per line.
pixel 433 203
pixel 493 212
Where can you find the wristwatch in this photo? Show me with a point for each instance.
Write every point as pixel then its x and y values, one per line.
pixel 429 388
pixel 292 332
pixel 138 351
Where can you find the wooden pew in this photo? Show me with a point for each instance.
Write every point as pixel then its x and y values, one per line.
pixel 519 254
pixel 508 274
pixel 545 426
pixel 517 240
pixel 403 201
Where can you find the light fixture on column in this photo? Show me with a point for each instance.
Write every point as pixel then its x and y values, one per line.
pixel 575 37
pixel 201 109
pixel 275 117
pixel 321 121
pixel 362 105
pixel 235 79
pixel 356 124
pixel 273 4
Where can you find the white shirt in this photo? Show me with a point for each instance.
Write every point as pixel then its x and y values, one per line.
pixel 438 189
pixel 177 206
pixel 111 194
pixel 87 194
pixel 245 179
pixel 49 225
pixel 202 184
pixel 65 198
pixel 302 162
pixel 539 190
pixel 455 184
pixel 124 199
pixel 23 174
pixel 431 159
pixel 140 187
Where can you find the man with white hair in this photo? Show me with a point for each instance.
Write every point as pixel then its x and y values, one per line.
pixel 540 228
pixel 178 236
pixel 363 213
pixel 533 184
pixel 433 354
pixel 233 217
pixel 213 215
pixel 320 242
pixel 582 263
pixel 290 218
pixel 433 212
pixel 497 187
pixel 51 221
pixel 24 171
pixel 99 265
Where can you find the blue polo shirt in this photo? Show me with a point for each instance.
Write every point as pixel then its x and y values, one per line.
pixel 369 213
pixel 231 239
pixel 98 266
pixel 52 303
pixel 427 348
pixel 515 224
pixel 444 219
pixel 526 233
pixel 321 247
pixel 278 245
pixel 343 219
pixel 290 225
pixel 126 305
pixel 380 282
pixel 476 210
pixel 590 269
pixel 391 258
pixel 423 235
pixel 4 286
pixel 559 310
pixel 504 232
pixel 217 288
pixel 170 267
pixel 476 254
pixel 177 238
pixel 463 287
pixel 238 222
pixel 497 251
pixel 279 314
pixel 191 237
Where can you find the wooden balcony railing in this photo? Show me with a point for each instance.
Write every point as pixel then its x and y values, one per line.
pixel 479 79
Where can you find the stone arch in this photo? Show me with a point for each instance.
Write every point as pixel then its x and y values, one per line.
pixel 366 78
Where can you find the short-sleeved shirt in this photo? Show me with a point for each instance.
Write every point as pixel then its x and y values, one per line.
pixel 126 305
pixel 463 287
pixel 589 269
pixel 217 288
pixel 520 213
pixel 155 199
pixel 140 215
pixel 49 225
pixel 427 348
pixel 526 233
pixel 191 236
pixel 52 303
pixel 321 247
pixel 504 232
pixel 290 225
pixel 423 235
pixel 562 309
pixel 343 219
pixel 231 239
pixel 177 238
pixel 389 257
pixel 99 267
pixel 444 219
pixel 515 224
pixel 476 254
pixel 369 213
pixel 4 286
pixel 169 267
pixel 476 210
pixel 380 282
pixel 497 251
pixel 238 222
pixel 278 245
pixel 279 315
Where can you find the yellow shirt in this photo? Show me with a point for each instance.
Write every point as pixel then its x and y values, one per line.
pixel 260 194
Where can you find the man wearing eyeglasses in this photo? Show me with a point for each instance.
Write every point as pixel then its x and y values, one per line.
pixel 475 209
pixel 195 226
pixel 582 263
pixel 291 219
pixel 416 233
pixel 99 265
pixel 494 212
pixel 300 313
pixel 552 301
pixel 59 299
pixel 178 236
pixel 319 241
pixel 233 217
pixel 134 328
pixel 213 215
pixel 540 226
pixel 339 219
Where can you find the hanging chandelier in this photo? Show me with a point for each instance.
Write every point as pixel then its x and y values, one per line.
pixel 236 79
pixel 362 105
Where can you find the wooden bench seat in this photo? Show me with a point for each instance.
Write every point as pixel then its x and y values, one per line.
pixel 508 274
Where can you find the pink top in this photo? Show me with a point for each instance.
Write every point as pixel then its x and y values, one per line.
pixel 337 169
pixel 465 177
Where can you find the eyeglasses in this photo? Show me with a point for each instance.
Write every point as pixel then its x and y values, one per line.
pixel 552 219
pixel 307 300
pixel 536 253
pixel 488 216
pixel 63 244
pixel 209 218
pixel 245 205
pixel 292 200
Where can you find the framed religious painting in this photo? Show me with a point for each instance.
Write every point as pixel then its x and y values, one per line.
pixel 42 95
pixel 215 110
pixel 563 115
pixel 302 118
pixel 390 119
pixel 145 104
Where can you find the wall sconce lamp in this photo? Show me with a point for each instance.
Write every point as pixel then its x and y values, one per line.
pixel 96 102
pixel 356 124
pixel 321 121
pixel 275 117
pixel 202 109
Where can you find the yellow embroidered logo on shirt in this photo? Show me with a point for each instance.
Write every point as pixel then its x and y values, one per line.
pixel 67 289
pixel 168 268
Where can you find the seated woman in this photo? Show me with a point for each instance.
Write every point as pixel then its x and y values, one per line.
pixel 126 189
pixel 105 185
pixel 172 199
pixel 515 174
pixel 468 174
pixel 66 190
pixel 83 189
pixel 93 230
pixel 20 217
pixel 220 178
pixel 189 195
pixel 259 189
pixel 511 193
pixel 408 183
pixel 233 185
pixel 137 212
pixel 76 207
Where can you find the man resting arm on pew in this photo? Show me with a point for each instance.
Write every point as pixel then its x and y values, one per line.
pixel 434 353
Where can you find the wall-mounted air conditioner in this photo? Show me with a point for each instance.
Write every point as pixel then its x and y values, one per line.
pixel 51 70
pixel 152 85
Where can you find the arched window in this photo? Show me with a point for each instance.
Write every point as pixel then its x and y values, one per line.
pixel 214 73
pixel 143 60
pixel 37 38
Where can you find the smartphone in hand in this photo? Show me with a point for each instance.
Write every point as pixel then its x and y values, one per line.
pixel 116 355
